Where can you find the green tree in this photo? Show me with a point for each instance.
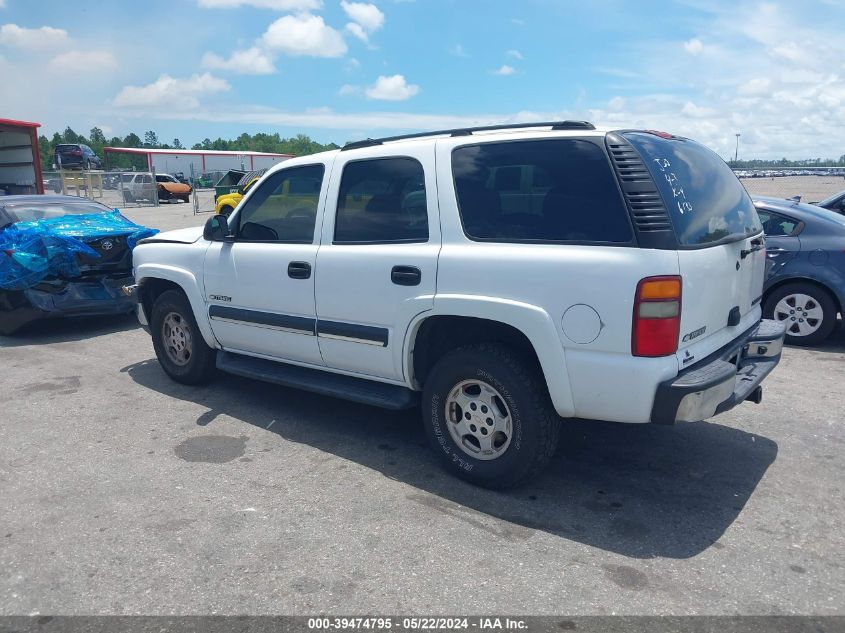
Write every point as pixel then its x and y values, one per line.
pixel 132 140
pixel 96 136
pixel 150 139
pixel 177 144
pixel 70 136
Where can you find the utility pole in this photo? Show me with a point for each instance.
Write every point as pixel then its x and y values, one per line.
pixel 736 153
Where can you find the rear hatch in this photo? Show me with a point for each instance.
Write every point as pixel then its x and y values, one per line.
pixel 720 243
pixel 69 153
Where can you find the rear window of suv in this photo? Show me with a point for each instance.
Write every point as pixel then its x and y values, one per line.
pixel 706 202
pixel 552 190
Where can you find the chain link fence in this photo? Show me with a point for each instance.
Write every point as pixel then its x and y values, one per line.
pixel 126 189
pixel 812 184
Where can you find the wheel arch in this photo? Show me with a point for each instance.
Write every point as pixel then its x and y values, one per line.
pixel 152 282
pixel 838 300
pixel 457 322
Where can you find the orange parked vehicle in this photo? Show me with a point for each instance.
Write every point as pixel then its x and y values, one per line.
pixel 169 188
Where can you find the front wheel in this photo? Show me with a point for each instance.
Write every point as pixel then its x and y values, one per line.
pixel 808 311
pixel 177 341
pixel 489 417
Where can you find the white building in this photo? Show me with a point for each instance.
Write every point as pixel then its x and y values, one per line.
pixel 169 161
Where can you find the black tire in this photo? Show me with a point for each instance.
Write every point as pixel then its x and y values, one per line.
pixel 535 426
pixel 199 367
pixel 819 297
pixel 163 194
pixel 86 165
pixel 186 199
pixel 226 211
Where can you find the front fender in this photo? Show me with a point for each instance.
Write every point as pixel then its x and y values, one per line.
pixel 189 284
pixel 529 319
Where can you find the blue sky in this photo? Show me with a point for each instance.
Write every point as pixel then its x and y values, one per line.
pixel 340 70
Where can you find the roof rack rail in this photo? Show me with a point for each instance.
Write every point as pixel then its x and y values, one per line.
pixel 468 131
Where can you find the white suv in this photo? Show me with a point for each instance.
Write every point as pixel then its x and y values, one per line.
pixel 504 277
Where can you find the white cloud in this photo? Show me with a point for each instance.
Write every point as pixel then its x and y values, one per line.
pixel 348 89
pixel 83 61
pixel 756 86
pixel 504 70
pixel 693 46
pixel 458 51
pixel 369 16
pixel 514 53
pixel 616 104
pixel 42 38
pixel 696 111
pixel 278 5
pixel 393 88
pixel 356 30
pixel 304 34
pixel 252 61
pixel 170 92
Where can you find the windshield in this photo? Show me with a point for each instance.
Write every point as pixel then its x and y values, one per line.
pixel 705 201
pixel 29 211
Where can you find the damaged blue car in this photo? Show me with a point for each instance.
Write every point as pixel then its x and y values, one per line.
pixel 63 256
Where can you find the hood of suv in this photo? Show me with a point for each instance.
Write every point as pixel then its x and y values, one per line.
pixel 179 236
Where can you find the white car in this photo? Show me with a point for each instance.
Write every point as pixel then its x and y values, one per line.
pixel 503 277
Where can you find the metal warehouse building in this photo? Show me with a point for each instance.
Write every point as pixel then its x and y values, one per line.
pixel 20 160
pixel 169 161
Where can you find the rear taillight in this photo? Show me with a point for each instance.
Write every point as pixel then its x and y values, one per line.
pixel 657 316
pixel 76 152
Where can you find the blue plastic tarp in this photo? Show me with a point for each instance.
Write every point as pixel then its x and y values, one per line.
pixel 33 251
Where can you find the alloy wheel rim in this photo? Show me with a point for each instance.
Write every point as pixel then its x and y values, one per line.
pixel 801 313
pixel 176 336
pixel 478 419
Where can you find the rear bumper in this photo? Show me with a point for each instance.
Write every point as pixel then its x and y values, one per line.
pixel 723 380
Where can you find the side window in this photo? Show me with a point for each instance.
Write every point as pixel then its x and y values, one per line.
pixel 146 179
pixel 568 194
pixel 283 208
pixel 382 200
pixel 776 225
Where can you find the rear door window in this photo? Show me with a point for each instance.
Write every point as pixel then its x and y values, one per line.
pixel 706 202
pixel 775 225
pixel 554 190
pixel 382 201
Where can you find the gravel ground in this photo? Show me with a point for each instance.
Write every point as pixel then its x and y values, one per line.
pixel 125 493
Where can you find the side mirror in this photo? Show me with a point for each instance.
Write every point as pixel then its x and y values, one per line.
pixel 217 229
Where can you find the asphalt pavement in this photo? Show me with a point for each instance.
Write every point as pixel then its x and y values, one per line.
pixel 123 492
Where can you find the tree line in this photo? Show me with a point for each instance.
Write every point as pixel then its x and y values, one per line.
pixel 298 145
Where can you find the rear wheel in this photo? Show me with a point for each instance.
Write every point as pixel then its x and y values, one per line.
pixel 489 417
pixel 177 341
pixel 807 310
pixel 163 194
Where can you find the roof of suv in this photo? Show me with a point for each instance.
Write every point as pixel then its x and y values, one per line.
pixel 509 129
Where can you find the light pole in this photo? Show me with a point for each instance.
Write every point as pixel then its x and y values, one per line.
pixel 736 153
